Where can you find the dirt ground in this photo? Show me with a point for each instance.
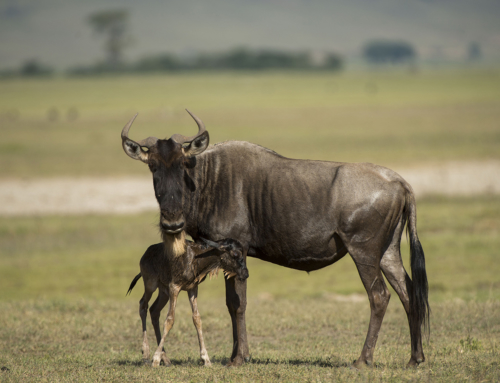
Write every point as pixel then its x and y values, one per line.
pixel 132 195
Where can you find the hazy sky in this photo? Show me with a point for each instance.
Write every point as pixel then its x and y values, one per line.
pixel 57 32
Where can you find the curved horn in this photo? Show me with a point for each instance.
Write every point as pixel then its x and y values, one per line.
pixel 179 138
pixel 148 142
pixel 126 128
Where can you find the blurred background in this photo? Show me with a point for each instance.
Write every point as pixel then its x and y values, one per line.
pixel 414 86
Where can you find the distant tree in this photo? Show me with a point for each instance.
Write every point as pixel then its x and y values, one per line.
pixel 159 63
pixel 235 59
pixel 392 52
pixel 333 61
pixel 242 58
pixel 33 68
pixel 114 25
pixel 474 51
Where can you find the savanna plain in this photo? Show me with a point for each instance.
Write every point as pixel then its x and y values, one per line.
pixel 63 311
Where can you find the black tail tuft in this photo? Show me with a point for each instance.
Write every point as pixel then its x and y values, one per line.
pixel 132 285
pixel 418 287
pixel 419 291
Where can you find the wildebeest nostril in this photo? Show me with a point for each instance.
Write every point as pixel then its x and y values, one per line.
pixel 172 227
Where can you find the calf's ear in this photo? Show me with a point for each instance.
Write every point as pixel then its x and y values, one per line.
pixel 198 145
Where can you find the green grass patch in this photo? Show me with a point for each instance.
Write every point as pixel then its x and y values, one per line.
pixel 72 126
pixel 97 256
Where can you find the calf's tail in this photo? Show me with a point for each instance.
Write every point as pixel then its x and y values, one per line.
pixel 132 285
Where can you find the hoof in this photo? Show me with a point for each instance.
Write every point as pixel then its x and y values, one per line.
pixel 247 359
pixel 207 364
pixel 413 363
pixel 165 360
pixel 236 362
pixel 361 364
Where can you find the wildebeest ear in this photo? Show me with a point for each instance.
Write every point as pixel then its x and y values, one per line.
pixel 198 145
pixel 134 150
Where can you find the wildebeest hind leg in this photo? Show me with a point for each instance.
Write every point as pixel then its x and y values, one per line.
pixel 155 312
pixel 143 312
pixel 393 269
pixel 379 296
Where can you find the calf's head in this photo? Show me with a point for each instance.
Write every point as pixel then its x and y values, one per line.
pixel 232 260
pixel 167 159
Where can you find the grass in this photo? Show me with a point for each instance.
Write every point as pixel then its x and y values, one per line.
pixel 97 256
pixel 393 119
pixel 64 315
pixel 305 340
pixel 63 311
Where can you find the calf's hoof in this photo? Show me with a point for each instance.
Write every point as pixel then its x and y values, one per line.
pixel 165 360
pixel 158 358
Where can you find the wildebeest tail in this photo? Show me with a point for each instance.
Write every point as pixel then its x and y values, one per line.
pixel 132 285
pixel 418 287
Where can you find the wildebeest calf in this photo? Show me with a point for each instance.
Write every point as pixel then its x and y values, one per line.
pixel 173 271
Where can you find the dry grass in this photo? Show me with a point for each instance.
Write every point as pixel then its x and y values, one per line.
pixel 64 315
pixel 291 340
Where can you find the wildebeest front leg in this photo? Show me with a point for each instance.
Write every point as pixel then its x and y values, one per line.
pixel 236 301
pixel 197 323
pixel 379 296
pixel 169 322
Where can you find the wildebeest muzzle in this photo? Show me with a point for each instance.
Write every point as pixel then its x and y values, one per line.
pixel 171 223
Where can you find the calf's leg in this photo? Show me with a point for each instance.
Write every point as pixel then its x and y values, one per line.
pixel 192 294
pixel 155 312
pixel 143 312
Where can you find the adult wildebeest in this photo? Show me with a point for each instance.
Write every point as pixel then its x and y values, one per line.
pixel 296 213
